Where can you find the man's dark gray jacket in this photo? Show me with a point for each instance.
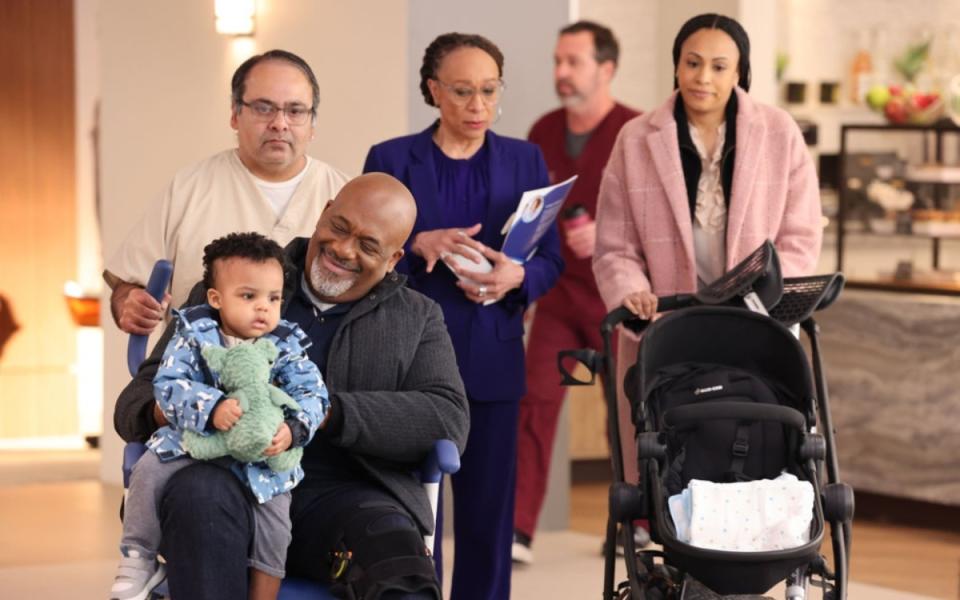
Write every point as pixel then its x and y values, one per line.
pixel 392 377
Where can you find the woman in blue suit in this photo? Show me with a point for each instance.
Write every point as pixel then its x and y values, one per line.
pixel 467 182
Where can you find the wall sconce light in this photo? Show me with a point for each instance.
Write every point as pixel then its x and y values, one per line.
pixel 84 305
pixel 235 17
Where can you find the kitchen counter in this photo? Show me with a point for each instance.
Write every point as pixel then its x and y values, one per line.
pixel 893 370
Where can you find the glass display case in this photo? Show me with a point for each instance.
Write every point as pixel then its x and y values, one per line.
pixel 898 219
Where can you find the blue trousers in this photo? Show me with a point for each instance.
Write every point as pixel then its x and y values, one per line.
pixel 206 519
pixel 483 497
pixel 207 523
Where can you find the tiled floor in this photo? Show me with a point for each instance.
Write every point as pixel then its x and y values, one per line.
pixel 904 559
pixel 58 540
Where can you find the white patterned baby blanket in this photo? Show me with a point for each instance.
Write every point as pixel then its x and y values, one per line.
pixel 749 516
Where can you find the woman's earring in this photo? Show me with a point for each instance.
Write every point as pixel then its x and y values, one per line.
pixel 499 114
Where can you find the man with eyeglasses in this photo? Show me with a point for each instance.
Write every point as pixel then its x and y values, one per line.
pixel 266 184
pixel 576 139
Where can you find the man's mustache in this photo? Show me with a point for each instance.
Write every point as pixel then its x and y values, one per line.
pixel 343 264
pixel 566 86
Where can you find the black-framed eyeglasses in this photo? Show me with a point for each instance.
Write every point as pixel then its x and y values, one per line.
pixel 462 94
pixel 264 110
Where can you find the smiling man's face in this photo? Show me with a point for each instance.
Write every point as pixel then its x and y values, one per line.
pixel 359 238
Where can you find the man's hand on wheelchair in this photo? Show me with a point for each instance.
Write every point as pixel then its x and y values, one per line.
pixel 136 311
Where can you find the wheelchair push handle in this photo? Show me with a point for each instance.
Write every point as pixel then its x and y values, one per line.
pixel 156 286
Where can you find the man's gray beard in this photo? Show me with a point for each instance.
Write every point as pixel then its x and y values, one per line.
pixel 571 101
pixel 326 284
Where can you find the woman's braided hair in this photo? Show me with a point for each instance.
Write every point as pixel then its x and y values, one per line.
pixel 444 45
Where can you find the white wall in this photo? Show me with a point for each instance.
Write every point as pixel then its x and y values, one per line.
pixel 822 35
pixel 635 25
pixel 165 89
pixel 760 19
pixel 646 31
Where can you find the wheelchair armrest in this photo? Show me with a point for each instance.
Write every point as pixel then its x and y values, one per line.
pixel 443 459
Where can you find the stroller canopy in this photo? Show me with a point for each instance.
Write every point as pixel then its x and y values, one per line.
pixel 733 337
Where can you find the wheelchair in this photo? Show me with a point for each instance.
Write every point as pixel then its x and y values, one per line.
pixel 443 459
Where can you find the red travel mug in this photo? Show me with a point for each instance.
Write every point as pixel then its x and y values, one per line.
pixel 576 216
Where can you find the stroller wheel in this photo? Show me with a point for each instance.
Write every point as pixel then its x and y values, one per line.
pixel 655 581
pixel 694 590
pixel 626 592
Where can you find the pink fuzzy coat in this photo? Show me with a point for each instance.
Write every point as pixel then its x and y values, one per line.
pixel 645 230
pixel 644 226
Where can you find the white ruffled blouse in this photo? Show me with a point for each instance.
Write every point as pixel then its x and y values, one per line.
pixel 710 217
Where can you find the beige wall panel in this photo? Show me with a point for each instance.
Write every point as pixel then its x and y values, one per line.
pixel 37 402
pixel 37 216
pixel 588 423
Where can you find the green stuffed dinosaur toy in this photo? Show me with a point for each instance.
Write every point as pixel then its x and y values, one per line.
pixel 245 375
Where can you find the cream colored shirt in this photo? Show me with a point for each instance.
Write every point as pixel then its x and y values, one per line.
pixel 710 217
pixel 209 200
pixel 279 193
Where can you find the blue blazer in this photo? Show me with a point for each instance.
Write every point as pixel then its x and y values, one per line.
pixel 488 340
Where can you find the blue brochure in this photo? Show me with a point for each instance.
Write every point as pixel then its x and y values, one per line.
pixel 535 215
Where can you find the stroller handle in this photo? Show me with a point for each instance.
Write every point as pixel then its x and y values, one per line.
pixel 156 286
pixel 759 274
pixel 635 323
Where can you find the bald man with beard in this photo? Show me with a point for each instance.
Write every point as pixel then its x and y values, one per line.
pixel 390 369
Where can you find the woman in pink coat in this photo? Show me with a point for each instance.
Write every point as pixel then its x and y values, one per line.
pixel 694 186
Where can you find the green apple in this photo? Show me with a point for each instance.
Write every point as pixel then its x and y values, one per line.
pixel 877 96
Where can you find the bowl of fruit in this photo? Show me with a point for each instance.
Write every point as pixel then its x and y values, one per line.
pixel 905 104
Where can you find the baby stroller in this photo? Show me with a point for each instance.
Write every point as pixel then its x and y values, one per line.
pixel 722 391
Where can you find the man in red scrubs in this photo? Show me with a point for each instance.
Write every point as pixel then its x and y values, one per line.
pixel 576 139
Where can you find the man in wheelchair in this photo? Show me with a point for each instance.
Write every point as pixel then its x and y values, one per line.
pixel 360 513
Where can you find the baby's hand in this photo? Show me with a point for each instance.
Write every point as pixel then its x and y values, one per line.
pixel 280 442
pixel 226 414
